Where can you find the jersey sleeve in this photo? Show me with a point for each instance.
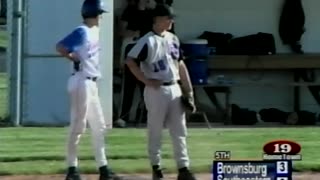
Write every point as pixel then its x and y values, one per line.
pixel 139 51
pixel 181 54
pixel 73 41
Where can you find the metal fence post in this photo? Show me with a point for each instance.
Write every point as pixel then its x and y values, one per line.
pixel 16 63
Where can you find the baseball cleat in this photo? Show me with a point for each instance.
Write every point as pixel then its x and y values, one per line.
pixel 157 175
pixel 186 175
pixel 73 174
pixel 107 174
pixel 109 177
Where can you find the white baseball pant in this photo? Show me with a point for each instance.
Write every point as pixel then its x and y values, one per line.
pixel 85 107
pixel 165 110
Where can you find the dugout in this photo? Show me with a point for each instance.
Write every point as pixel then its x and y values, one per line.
pixel 260 81
pixel 38 76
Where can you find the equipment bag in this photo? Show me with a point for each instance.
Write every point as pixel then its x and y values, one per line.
pixel 256 44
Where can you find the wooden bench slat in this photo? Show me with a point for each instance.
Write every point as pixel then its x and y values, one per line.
pixel 275 62
pixel 258 84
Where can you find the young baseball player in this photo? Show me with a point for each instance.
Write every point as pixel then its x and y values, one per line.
pixel 161 70
pixel 82 48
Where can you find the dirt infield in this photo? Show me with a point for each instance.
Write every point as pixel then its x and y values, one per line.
pixel 297 176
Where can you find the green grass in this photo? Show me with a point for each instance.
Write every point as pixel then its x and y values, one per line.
pixel 41 150
pixel 4 95
pixel 4 37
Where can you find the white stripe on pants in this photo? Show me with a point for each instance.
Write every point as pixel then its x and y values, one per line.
pixel 165 110
pixel 85 107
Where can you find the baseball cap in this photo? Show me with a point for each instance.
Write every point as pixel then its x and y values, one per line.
pixel 163 10
pixel 94 7
pixel 103 8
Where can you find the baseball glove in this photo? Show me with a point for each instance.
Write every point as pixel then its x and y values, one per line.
pixel 188 103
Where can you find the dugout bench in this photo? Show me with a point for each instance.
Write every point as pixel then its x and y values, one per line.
pixel 286 62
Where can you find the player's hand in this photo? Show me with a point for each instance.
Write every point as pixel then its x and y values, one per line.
pixel 74 57
pixel 153 83
pixel 188 103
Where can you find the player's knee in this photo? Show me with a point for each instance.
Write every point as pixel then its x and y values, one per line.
pixel 103 130
pixel 74 138
pixel 77 132
pixel 99 131
pixel 180 132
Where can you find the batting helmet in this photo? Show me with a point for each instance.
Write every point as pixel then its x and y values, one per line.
pixel 92 8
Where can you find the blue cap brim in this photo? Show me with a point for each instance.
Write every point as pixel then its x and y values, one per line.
pixel 104 9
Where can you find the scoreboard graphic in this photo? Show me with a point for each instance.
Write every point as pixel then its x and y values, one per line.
pixel 275 164
pixel 252 170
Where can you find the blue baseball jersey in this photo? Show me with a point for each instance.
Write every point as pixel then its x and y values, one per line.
pixel 84 42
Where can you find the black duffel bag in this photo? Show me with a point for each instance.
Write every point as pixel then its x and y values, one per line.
pixel 218 40
pixel 256 44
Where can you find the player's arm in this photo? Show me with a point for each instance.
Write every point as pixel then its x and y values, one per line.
pixel 65 53
pixel 69 45
pixel 136 70
pixel 185 78
pixel 138 53
pixel 184 75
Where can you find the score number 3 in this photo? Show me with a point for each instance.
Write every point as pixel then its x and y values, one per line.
pixel 159 66
pixel 282 167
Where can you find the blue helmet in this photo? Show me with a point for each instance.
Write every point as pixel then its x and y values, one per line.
pixel 92 8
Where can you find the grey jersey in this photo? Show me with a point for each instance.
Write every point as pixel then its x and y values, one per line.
pixel 158 55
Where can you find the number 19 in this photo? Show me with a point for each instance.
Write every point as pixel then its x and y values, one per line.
pixel 282 148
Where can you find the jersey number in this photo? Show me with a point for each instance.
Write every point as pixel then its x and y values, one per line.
pixel 159 66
